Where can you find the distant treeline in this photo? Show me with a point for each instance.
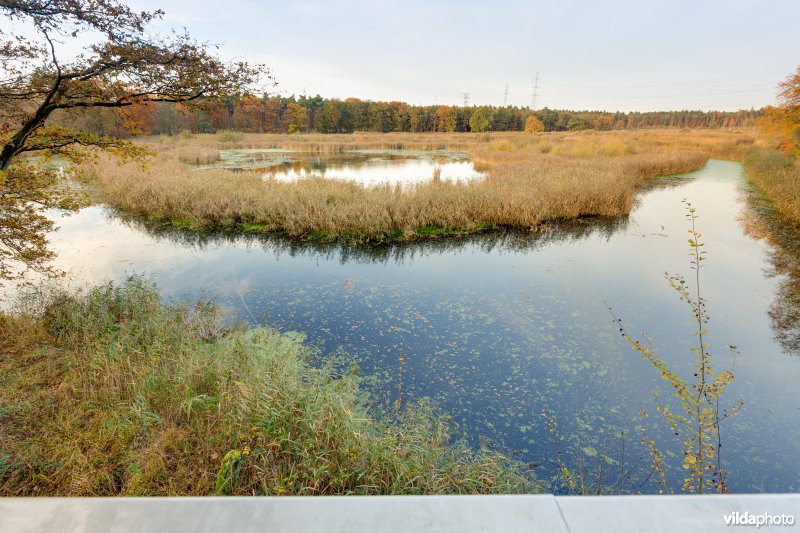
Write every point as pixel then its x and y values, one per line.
pixel 276 114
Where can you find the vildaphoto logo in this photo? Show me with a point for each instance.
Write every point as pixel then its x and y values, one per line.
pixel 764 519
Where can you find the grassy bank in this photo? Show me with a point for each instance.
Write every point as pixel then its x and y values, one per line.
pixel 531 179
pixel 777 175
pixel 111 392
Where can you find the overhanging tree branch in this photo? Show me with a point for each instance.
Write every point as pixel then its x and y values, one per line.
pixel 126 66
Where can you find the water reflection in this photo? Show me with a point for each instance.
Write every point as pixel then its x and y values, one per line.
pixel 486 242
pixel 762 222
pixel 501 327
pixel 366 167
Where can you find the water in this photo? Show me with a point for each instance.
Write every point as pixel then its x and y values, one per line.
pixel 500 329
pixel 366 167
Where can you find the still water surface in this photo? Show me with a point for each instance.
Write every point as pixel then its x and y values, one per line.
pixel 498 329
pixel 366 167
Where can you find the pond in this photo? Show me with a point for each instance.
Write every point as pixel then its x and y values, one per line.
pixel 510 333
pixel 366 167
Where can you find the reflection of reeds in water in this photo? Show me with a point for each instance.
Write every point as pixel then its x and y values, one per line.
pixel 563 231
pixel 762 221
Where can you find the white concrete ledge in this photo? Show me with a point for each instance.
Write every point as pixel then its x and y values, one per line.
pixel 678 513
pixel 540 513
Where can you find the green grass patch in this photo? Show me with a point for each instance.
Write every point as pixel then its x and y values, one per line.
pixel 318 236
pixel 253 228
pixel 394 235
pixel 182 223
pixel 5 464
pixel 434 231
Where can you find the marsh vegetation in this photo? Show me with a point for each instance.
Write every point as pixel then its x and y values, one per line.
pixel 530 179
pixel 777 176
pixel 111 392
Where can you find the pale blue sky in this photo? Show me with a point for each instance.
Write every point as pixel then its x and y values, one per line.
pixel 618 55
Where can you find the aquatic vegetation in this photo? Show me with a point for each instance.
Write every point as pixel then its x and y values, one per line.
pixel 696 422
pixel 111 392
pixel 597 469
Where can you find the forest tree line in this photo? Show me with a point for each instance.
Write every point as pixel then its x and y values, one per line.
pixel 276 114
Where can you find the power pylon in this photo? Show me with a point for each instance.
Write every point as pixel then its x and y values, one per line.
pixel 535 94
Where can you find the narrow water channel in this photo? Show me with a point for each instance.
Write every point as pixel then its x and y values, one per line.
pixel 510 334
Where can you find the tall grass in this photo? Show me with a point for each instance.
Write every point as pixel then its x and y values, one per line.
pixel 111 392
pixel 570 175
pixel 777 175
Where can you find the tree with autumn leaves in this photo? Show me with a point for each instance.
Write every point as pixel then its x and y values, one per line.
pixel 784 120
pixel 127 65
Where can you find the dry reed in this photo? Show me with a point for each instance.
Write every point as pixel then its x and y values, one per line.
pixel 531 179
pixel 777 175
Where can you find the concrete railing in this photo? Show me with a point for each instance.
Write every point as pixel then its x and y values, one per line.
pixel 378 514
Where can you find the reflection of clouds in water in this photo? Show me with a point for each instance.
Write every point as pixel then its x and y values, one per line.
pixel 93 246
pixel 367 167
pixel 403 172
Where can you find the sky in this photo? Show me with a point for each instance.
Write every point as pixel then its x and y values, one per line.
pixel 610 55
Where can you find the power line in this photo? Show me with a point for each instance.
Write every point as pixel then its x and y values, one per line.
pixel 649 96
pixel 660 84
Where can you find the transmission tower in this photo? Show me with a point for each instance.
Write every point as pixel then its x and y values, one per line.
pixel 505 97
pixel 466 99
pixel 535 94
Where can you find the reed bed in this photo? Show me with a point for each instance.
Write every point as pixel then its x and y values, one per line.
pixel 108 391
pixel 777 175
pixel 531 179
